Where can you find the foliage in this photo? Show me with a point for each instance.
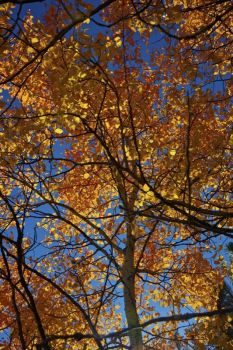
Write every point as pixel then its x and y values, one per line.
pixel 115 173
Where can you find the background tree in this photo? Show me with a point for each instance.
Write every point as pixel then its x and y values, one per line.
pixel 115 172
pixel 218 330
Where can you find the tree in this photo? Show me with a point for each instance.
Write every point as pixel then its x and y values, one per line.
pixel 115 172
pixel 218 331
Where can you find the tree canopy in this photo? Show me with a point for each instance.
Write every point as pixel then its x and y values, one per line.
pixel 115 174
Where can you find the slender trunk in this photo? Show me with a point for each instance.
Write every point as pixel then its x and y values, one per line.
pixel 128 276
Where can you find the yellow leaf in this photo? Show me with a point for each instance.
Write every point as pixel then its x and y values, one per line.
pixel 172 152
pixel 86 176
pixel 77 119
pixel 82 75
pixel 58 131
pixel 30 50
pixel 118 41
pixel 175 196
pixel 83 105
pixel 24 59
pixel 145 188
pixel 87 21
pixel 34 40
pixel 25 97
pixel 149 195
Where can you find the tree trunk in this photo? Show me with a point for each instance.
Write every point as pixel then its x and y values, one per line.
pixel 128 276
